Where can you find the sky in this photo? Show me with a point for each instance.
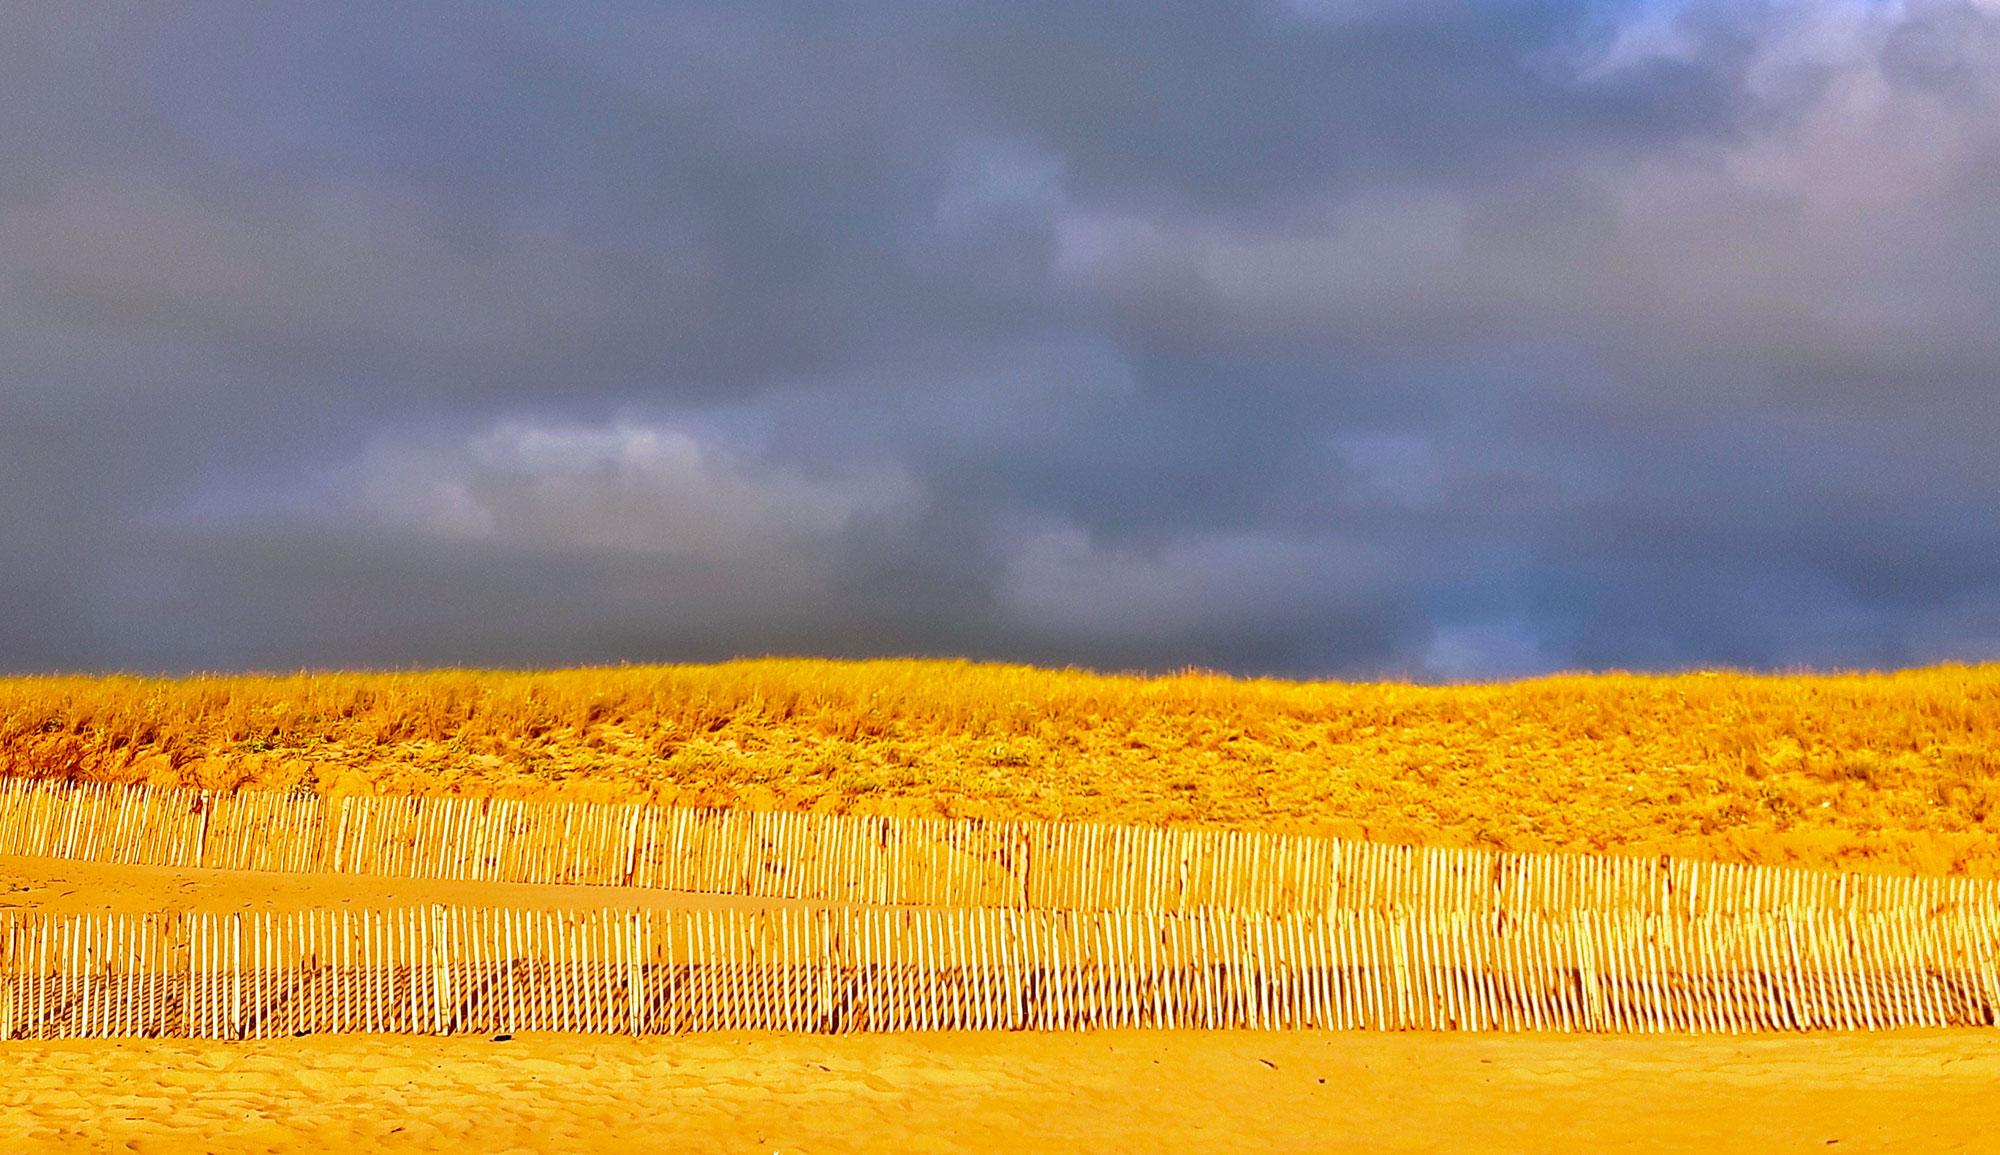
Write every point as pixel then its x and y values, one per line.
pixel 1440 339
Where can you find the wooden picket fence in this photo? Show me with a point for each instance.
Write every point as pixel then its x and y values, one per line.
pixel 150 826
pixel 866 860
pixel 444 970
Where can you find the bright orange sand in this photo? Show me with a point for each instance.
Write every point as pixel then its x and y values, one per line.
pixel 61 886
pixel 1110 1091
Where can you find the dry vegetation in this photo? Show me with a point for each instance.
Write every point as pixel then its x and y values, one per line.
pixel 1890 771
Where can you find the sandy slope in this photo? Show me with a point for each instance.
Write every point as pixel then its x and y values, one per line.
pixel 60 886
pixel 1112 1091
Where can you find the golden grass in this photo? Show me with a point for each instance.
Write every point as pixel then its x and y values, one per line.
pixel 1890 771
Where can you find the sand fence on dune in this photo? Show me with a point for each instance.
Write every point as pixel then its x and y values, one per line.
pixel 957 924
pixel 898 861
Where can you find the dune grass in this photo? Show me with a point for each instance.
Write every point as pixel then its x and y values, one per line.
pixel 1897 771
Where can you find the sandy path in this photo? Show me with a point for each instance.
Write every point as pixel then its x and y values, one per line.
pixel 1111 1091
pixel 60 886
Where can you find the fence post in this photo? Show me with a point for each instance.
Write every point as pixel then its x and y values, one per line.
pixel 634 986
pixel 7 979
pixel 236 976
pixel 440 952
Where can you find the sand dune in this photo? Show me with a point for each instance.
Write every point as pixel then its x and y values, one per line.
pixel 1889 772
pixel 1104 1091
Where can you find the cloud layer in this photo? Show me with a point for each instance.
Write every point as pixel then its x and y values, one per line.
pixel 1432 340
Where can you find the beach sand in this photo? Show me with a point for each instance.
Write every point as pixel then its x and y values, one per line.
pixel 1105 1091
pixel 64 886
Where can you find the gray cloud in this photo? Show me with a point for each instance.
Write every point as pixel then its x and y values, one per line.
pixel 1440 340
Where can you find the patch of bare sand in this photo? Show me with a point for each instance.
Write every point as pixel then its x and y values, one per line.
pixel 1108 1091
pixel 61 886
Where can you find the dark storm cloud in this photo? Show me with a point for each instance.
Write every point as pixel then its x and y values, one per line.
pixel 1325 337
